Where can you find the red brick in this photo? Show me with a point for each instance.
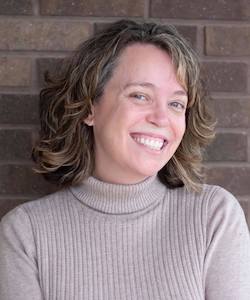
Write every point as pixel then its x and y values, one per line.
pixel 42 35
pixel 201 9
pixel 227 40
pixel 12 104
pixel 16 7
pixel 232 112
pixel 228 147
pixel 225 76
pixel 15 71
pixel 15 144
pixel 235 179
pixel 21 180
pixel 114 8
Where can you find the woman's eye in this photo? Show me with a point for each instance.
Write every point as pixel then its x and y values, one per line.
pixel 179 106
pixel 140 97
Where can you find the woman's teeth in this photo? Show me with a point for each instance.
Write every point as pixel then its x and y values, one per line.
pixel 151 143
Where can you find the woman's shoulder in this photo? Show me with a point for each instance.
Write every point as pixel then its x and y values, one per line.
pixel 208 193
pixel 219 197
pixel 220 207
pixel 211 199
pixel 223 205
pixel 37 207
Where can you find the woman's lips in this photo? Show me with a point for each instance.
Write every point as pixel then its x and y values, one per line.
pixel 151 141
pixel 149 135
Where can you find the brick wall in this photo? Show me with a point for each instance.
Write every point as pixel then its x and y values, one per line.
pixel 35 35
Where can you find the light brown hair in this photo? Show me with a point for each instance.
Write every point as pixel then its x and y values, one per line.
pixel 65 151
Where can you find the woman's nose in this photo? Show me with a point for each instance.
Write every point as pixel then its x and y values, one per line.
pixel 158 116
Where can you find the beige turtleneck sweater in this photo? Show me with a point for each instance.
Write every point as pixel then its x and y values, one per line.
pixel 100 241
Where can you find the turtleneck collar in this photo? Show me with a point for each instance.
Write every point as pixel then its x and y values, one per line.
pixel 119 198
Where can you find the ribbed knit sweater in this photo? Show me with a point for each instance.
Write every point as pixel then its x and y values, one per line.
pixel 100 241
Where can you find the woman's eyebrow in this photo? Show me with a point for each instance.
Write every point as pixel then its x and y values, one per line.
pixel 180 93
pixel 143 84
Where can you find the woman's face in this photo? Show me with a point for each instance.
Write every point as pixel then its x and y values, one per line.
pixel 139 121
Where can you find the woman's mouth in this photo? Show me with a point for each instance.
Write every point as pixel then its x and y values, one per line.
pixel 153 143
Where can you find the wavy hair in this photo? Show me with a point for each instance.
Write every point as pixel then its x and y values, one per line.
pixel 64 152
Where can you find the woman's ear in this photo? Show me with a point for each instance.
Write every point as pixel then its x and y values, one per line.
pixel 90 118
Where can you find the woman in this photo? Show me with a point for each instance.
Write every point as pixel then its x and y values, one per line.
pixel 122 131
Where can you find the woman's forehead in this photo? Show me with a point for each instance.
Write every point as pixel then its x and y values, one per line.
pixel 145 66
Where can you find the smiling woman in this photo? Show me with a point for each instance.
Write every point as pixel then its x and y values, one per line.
pixel 66 158
pixel 123 128
pixel 139 121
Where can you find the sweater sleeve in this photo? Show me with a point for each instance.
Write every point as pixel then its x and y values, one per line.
pixel 18 267
pixel 227 258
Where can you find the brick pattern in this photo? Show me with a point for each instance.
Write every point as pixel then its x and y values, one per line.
pixel 12 104
pixel 42 35
pixel 228 147
pixel 201 9
pixel 226 76
pixel 16 7
pixel 15 71
pixel 15 144
pixel 235 179
pixel 230 40
pixel 20 180
pixel 232 113
pixel 36 35
pixel 98 8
